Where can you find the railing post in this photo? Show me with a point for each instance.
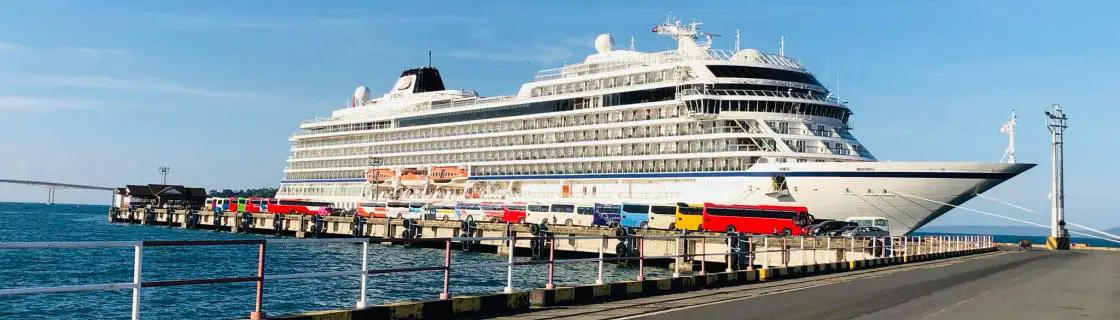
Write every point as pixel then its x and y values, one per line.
pixel 766 250
pixel 257 313
pixel 677 260
pixel 703 254
pixel 551 263
pixel 137 262
pixel 802 250
pixel 365 274
pixel 852 248
pixel 728 256
pixel 602 244
pixel 641 258
pixel 509 267
pixel 750 253
pixel 446 294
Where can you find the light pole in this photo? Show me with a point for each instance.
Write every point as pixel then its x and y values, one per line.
pixel 163 170
pixel 1056 122
pixel 374 162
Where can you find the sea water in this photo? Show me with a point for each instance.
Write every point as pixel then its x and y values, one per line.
pixel 64 267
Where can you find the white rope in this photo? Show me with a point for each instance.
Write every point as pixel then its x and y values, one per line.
pixel 1000 216
pixel 1036 212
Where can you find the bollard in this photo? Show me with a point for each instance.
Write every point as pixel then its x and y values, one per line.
pixel 602 245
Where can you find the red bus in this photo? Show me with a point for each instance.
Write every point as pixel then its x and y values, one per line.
pixel 514 212
pixel 256 205
pixel 493 211
pixel 784 220
pixel 375 209
pixel 285 206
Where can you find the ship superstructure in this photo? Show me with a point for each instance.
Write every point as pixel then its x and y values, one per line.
pixel 693 124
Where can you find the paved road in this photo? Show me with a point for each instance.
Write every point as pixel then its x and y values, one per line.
pixel 1010 285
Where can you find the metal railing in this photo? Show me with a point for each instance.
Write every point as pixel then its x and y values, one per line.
pixel 761 93
pixel 742 247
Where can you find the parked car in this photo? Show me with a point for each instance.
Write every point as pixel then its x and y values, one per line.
pixel 865 232
pixel 828 228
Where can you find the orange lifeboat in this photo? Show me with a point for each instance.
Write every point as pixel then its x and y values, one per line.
pixel 450 176
pixel 413 177
pixel 380 175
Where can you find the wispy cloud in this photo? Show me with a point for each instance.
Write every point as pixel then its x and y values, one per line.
pixel 440 18
pixel 8 103
pixel 111 83
pixel 97 53
pixel 567 49
pixel 338 22
pixel 539 54
pixel 8 47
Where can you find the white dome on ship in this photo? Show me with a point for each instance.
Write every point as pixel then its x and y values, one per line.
pixel 604 43
pixel 361 94
pixel 747 54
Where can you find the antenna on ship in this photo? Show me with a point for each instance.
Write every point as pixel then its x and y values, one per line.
pixel 1009 128
pixel 782 46
pixel 632 43
pixel 429 58
pixel 736 40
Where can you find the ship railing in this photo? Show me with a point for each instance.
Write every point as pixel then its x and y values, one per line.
pixel 759 93
pixel 652 58
pixel 738 251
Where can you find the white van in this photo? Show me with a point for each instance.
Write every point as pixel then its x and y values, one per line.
pixel 563 213
pixel 662 216
pixel 537 213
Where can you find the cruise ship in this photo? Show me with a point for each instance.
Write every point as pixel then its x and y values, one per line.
pixel 692 124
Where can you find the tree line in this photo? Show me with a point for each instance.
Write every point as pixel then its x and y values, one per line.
pixel 226 193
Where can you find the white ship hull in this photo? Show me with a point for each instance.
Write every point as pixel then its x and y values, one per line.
pixel 900 192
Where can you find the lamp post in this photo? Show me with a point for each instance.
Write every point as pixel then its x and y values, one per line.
pixel 1056 122
pixel 163 170
pixel 374 162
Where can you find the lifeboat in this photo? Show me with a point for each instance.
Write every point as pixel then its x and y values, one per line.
pixel 411 178
pixel 450 176
pixel 383 177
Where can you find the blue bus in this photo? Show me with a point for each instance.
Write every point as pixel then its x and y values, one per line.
pixel 635 215
pixel 605 215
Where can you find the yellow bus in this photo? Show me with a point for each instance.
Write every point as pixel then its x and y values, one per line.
pixel 689 216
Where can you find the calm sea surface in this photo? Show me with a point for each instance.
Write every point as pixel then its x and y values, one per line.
pixel 61 267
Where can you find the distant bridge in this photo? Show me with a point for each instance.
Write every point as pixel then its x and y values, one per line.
pixel 52 186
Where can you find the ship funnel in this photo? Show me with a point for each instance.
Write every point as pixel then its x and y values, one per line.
pixel 418 80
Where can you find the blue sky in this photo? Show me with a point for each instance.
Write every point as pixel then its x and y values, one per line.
pixel 103 92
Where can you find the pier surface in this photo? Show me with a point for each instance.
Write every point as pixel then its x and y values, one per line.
pixel 1005 285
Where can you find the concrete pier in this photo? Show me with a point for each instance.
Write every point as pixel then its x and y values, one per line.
pixel 768 251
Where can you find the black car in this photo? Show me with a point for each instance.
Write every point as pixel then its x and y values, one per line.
pixel 829 227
